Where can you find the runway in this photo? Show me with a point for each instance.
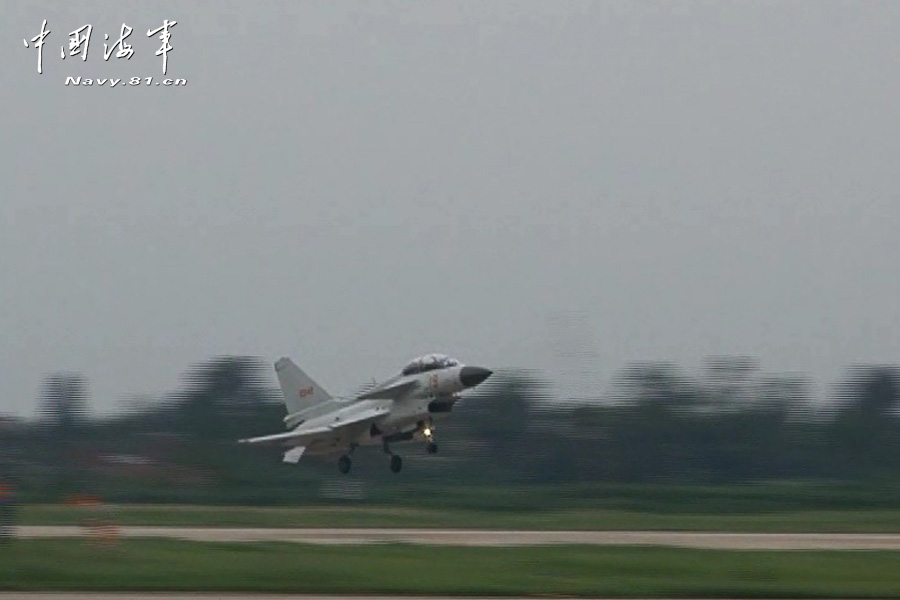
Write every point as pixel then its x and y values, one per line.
pixel 202 596
pixel 481 537
pixel 211 595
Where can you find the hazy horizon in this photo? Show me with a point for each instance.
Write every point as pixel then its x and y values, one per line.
pixel 570 187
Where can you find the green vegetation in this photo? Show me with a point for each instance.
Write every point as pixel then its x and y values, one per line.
pixel 773 507
pixel 872 521
pixel 662 448
pixel 392 569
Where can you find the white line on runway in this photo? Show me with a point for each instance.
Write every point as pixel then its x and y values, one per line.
pixel 471 537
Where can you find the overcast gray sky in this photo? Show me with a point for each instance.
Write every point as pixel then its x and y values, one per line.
pixel 353 184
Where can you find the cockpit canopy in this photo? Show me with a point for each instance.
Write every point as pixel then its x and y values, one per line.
pixel 429 362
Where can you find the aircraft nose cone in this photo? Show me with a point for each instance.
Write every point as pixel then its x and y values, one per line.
pixel 472 376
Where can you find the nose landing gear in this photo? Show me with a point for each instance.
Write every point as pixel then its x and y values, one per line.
pixel 428 434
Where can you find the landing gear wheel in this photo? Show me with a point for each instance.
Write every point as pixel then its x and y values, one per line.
pixel 344 464
pixel 396 463
pixel 432 448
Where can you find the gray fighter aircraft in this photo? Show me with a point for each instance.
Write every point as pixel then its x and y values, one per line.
pixel 401 409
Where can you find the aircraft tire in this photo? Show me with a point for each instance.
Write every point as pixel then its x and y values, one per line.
pixel 432 448
pixel 344 464
pixel 396 463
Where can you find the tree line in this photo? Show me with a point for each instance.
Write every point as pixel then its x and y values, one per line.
pixel 729 424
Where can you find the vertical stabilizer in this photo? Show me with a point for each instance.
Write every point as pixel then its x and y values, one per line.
pixel 299 390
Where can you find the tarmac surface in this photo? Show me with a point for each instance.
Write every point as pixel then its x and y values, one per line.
pixel 198 596
pixel 211 595
pixel 481 537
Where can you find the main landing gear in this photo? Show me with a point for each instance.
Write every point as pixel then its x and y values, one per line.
pixel 344 462
pixel 396 461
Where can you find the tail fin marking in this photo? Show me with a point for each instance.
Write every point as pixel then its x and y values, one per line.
pixel 299 390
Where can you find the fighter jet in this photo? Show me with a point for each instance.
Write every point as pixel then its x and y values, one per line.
pixel 400 409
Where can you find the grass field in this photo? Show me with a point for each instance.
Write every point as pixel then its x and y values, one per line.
pixel 830 521
pixel 801 506
pixel 398 569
